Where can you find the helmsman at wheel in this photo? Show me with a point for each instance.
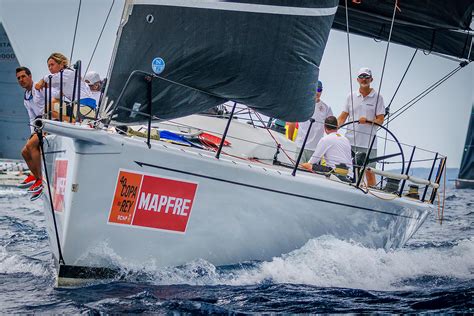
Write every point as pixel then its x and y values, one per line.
pixel 364 105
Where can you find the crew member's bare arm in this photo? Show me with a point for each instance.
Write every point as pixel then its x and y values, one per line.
pixel 342 118
pixel 379 119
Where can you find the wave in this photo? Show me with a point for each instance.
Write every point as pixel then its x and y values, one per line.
pixel 322 262
pixel 16 264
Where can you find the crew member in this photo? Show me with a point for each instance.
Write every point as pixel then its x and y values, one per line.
pixel 333 149
pixel 364 105
pixel 321 112
pixel 34 103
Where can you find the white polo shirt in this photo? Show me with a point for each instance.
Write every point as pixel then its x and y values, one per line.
pixel 34 103
pixel 321 112
pixel 335 149
pixel 96 96
pixel 68 85
pixel 363 106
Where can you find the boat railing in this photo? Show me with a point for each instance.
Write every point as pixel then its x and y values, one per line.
pixel 392 181
pixel 69 114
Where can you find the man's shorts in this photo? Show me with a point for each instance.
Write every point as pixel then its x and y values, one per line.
pixel 373 154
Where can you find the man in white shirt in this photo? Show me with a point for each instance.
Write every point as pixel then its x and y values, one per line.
pixel 34 103
pixel 94 82
pixel 364 105
pixel 332 149
pixel 321 112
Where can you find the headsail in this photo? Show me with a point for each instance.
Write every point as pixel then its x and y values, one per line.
pixel 432 25
pixel 262 53
pixel 466 171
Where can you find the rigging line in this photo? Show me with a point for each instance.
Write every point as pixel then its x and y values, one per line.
pixel 470 48
pixel 429 87
pixel 350 70
pixel 422 95
pixel 383 68
pixel 100 35
pixel 387 109
pixel 403 77
pixel 75 29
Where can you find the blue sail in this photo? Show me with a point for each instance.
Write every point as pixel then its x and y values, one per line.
pixel 13 116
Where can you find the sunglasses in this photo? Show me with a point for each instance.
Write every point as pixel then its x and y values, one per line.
pixel 319 89
pixel 364 76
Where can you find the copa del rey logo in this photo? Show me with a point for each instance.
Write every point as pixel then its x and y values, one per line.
pixel 150 201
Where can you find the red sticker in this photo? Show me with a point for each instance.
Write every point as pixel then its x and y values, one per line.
pixel 161 203
pixel 59 184
pixel 126 193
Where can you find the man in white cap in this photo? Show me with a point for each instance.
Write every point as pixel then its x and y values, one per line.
pixel 363 105
pixel 94 82
pixel 321 112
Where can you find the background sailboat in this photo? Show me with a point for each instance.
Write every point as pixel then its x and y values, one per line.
pixel 13 116
pixel 466 171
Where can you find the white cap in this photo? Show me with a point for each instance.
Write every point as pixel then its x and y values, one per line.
pixel 91 77
pixel 364 71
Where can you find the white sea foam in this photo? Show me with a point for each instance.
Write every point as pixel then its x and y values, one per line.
pixel 12 192
pixel 12 263
pixel 322 262
pixel 329 262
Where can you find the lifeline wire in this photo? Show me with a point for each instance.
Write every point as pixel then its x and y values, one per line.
pixel 75 29
pixel 100 35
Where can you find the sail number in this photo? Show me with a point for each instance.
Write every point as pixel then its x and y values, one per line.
pixel 7 56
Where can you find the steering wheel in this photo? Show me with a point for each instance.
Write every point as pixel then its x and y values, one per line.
pixel 400 152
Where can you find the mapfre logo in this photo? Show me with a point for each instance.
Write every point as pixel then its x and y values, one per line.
pixel 150 201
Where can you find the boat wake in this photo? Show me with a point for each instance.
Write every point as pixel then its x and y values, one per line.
pixel 322 262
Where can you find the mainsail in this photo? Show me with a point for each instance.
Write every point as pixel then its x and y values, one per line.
pixel 431 25
pixel 466 171
pixel 13 116
pixel 262 53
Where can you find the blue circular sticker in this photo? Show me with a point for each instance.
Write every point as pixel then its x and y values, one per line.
pixel 158 65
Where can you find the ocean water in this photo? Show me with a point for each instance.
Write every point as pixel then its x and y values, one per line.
pixel 434 272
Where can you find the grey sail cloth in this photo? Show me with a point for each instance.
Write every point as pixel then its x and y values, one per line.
pixel 266 60
pixel 14 120
pixel 432 25
pixel 466 171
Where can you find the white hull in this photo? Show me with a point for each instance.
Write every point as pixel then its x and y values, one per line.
pixel 240 211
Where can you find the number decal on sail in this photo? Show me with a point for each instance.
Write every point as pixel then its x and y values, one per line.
pixel 154 202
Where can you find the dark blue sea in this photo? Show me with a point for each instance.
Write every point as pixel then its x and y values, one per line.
pixel 434 272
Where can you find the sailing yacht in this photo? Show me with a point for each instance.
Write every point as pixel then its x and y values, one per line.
pixel 13 116
pixel 148 201
pixel 465 178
